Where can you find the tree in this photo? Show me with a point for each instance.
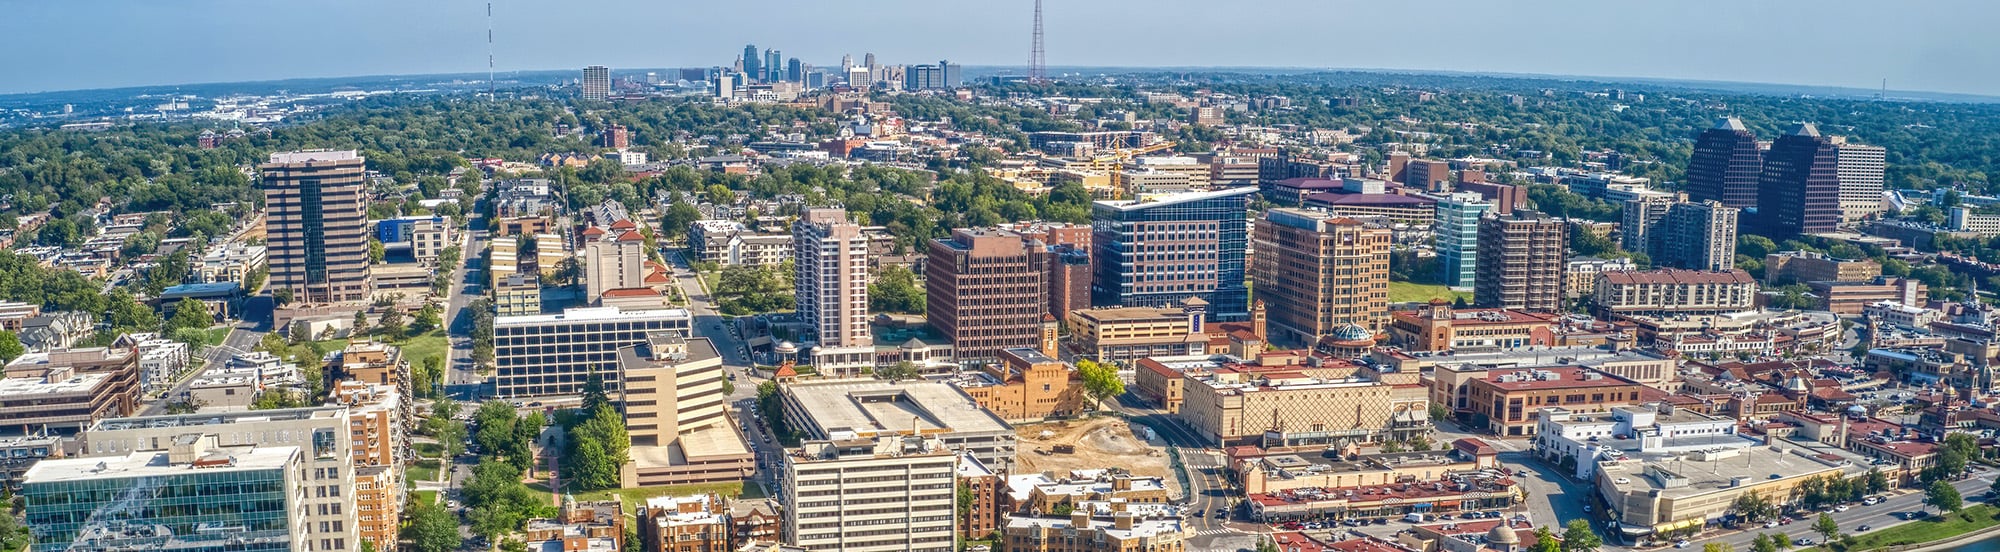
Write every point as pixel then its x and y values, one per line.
pixel 1754 506
pixel 391 323
pixel 376 252
pixel 901 370
pixel 896 291
pixel 432 376
pixel 1826 527
pixel 1579 537
pixel 677 219
pixel 1943 496
pixel 1392 446
pixel 1100 381
pixel 428 318
pixel 10 346
pixel 596 450
pixel 1545 541
pixel 1439 412
pixel 1718 547
pixel 431 528
pixel 360 323
pixel 1877 481
pixel 190 313
pixel 1762 544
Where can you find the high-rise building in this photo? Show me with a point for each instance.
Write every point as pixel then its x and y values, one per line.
pixel 1699 236
pixel 1458 237
pixel 556 354
pixel 831 286
pixel 616 136
pixel 949 74
pixel 678 415
pixel 725 85
pixel 318 225
pixel 923 77
pixel 859 78
pixel 1799 190
pixel 1725 165
pixel 1861 168
pixel 846 61
pixel 868 60
pixel 1521 260
pixel 795 70
pixel 192 496
pixel 596 83
pixel 1642 214
pixel 753 64
pixel 903 485
pixel 1425 174
pixel 613 259
pixel 322 434
pixel 1159 252
pixel 774 66
pixel 1318 273
pixel 986 291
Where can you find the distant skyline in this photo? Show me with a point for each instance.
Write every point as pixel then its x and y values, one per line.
pixel 1938 46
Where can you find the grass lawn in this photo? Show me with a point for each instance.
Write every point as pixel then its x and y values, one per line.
pixel 423 470
pixel 424 496
pixel 429 450
pixel 1411 292
pixel 216 335
pixel 638 495
pixel 431 343
pixel 1928 529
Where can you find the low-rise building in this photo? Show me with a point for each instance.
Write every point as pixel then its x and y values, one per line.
pixel 728 243
pixel 1900 315
pixel 1580 273
pixel 1579 441
pixel 1318 400
pixel 1665 492
pixel 694 523
pixel 1042 494
pixel 1025 385
pixel 1438 327
pixel 1125 334
pixel 982 516
pixel 1262 473
pixel 597 526
pixel 1673 291
pixel 64 392
pixel 1852 298
pixel 1083 532
pixel 1809 266
pixel 1508 402
pixel 230 263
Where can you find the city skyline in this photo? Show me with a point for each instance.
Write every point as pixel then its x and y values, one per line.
pixel 137 44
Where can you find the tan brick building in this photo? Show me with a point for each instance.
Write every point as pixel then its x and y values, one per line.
pixel 1439 328
pixel 1505 401
pixel 1123 532
pixel 1319 400
pixel 1025 386
pixel 1316 273
pixel 695 523
pixel 1125 334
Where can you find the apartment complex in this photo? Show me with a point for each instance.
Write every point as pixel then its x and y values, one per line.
pixel 613 259
pixel 555 354
pixel 831 257
pixel 985 290
pixel 883 494
pixel 1521 262
pixel 136 501
pixel 1811 266
pixel 728 243
pixel 695 523
pixel 323 437
pixel 1673 291
pixel 1317 273
pixel 1458 237
pixel 317 225
pixel 1580 274
pixel 379 425
pixel 1162 251
pixel 677 414
pixel 1698 236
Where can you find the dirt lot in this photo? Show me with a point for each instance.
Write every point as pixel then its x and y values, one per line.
pixel 1100 443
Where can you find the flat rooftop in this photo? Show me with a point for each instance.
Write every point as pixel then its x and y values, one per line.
pixel 213 419
pixel 1141 527
pixel 591 314
pixel 26 387
pixel 155 464
pixel 1706 472
pixel 879 406
pixel 1131 314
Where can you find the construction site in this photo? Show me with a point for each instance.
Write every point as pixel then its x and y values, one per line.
pixel 1093 443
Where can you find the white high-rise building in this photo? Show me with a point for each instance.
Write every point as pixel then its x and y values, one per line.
pixel 831 259
pixel 892 493
pixel 1860 170
pixel 614 259
pixel 596 83
pixel 1458 237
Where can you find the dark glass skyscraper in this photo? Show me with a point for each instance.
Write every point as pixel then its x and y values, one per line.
pixel 1160 252
pixel 1799 190
pixel 1725 165
pixel 752 64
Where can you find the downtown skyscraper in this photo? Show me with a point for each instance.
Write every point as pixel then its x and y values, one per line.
pixel 1521 261
pixel 830 256
pixel 1725 165
pixel 753 64
pixel 1318 273
pixel 1799 189
pixel 596 83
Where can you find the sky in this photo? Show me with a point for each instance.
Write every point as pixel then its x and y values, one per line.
pixel 1940 46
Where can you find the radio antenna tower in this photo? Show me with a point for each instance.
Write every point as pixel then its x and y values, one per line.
pixel 489 50
pixel 1037 63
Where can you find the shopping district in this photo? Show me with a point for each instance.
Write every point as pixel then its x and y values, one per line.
pixel 1213 362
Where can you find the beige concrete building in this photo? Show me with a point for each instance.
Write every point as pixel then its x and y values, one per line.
pixel 831 257
pixel 612 259
pixel 1125 334
pixel 1660 493
pixel 1673 291
pixel 867 409
pixel 1318 401
pixel 883 494
pixel 1083 532
pixel 317 228
pixel 1318 273
pixel 1807 266
pixel 1024 386
pixel 1521 262
pixel 677 414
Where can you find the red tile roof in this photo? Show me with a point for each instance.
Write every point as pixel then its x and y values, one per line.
pixel 1678 276
pixel 631 292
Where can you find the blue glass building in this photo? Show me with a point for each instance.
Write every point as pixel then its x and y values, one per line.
pixel 1158 252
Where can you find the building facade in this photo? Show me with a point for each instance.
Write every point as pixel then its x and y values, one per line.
pixel 1697 236
pixel 831 285
pixel 1521 262
pixel 984 289
pixel 249 499
pixel 1125 334
pixel 556 354
pixel 1458 237
pixel 1861 178
pixel 1725 165
pixel 1673 291
pixel 317 228
pixel 596 83
pixel 1799 189
pixel 886 494
pixel 1163 251
pixel 1317 273
pixel 612 259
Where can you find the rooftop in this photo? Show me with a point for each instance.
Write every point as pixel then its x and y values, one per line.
pixel 213 419
pixel 1700 472
pixel 155 464
pixel 1678 276
pixel 869 407
pixel 1572 377
pixel 1141 527
pixel 591 314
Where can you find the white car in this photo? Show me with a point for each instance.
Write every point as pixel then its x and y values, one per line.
pixel 1683 543
pixel 1840 508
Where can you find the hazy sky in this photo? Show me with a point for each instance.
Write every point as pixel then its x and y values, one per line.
pixel 1944 46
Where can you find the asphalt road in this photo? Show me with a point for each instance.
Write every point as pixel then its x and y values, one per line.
pixel 462 379
pixel 244 335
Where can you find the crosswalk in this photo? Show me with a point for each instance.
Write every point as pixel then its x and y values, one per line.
pixel 1207 532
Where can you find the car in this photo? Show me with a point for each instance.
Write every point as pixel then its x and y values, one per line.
pixel 1446 517
pixel 1200 513
pixel 1586 508
pixel 1770 524
pixel 1683 543
pixel 1381 521
pixel 1803 541
pixel 1871 501
pixel 1840 508
pixel 1862 529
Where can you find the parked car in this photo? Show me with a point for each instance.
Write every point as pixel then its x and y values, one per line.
pixel 1862 529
